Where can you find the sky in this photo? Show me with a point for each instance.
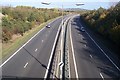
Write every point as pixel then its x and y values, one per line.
pixel 88 4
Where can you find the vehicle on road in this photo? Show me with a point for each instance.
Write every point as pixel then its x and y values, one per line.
pixel 48 26
pixel 82 29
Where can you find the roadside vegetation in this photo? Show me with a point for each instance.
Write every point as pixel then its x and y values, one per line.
pixel 18 20
pixel 20 23
pixel 106 23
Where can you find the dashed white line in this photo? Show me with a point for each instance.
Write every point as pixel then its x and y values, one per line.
pixel 20 48
pixel 36 50
pixel 91 56
pixel 42 40
pixel 103 51
pixel 25 65
pixel 24 45
pixel 101 76
pixel 50 59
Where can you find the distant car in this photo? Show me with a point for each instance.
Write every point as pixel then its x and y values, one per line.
pixel 82 29
pixel 48 26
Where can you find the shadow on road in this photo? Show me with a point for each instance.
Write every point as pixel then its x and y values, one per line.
pixel 101 62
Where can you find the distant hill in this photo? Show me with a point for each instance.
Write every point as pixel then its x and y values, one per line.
pixel 73 9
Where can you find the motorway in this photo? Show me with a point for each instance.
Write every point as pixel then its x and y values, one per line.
pixel 90 59
pixel 31 61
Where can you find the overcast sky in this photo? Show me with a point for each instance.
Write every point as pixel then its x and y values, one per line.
pixel 89 4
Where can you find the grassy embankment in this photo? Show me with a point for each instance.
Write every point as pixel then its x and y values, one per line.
pixel 10 47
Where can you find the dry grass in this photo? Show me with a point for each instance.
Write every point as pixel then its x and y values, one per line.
pixel 17 41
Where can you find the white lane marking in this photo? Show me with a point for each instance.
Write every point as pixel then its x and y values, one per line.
pixel 101 76
pixel 24 45
pixel 21 48
pixel 42 41
pixel 25 65
pixel 36 50
pixel 102 51
pixel 91 56
pixel 73 53
pixel 46 73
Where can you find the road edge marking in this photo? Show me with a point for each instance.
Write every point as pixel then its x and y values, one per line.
pixel 102 50
pixel 24 45
pixel 73 53
pixel 20 48
pixel 47 70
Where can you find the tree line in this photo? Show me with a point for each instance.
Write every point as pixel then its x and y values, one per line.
pixel 105 22
pixel 18 20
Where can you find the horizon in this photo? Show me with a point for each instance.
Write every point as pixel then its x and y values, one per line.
pixel 36 4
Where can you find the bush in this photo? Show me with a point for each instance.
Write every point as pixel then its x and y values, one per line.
pixel 105 22
pixel 20 19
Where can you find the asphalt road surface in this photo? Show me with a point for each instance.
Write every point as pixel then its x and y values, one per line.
pixel 90 60
pixel 32 60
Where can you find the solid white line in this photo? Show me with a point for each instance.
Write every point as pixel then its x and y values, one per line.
pixel 36 50
pixel 25 65
pixel 20 48
pixel 62 40
pixel 46 73
pixel 73 54
pixel 101 76
pixel 102 51
pixel 23 45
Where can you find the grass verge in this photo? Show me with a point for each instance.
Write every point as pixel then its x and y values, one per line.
pixel 10 47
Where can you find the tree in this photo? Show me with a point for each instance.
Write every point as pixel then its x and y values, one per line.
pixel 31 18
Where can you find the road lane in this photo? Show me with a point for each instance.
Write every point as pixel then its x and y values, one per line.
pixel 90 61
pixel 35 69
